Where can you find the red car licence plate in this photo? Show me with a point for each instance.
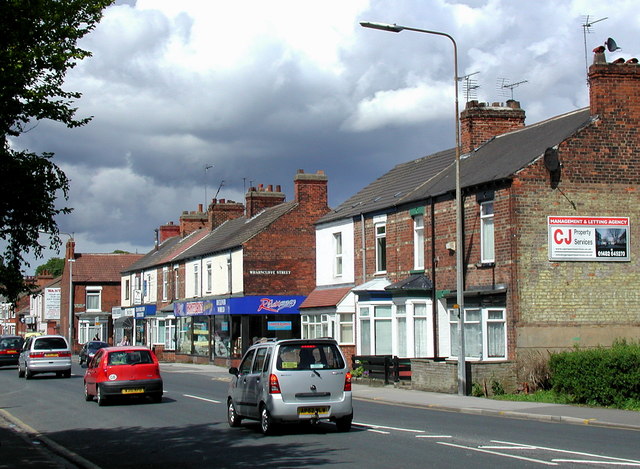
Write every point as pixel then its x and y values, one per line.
pixel 133 391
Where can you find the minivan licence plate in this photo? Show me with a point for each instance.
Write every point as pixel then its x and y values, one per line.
pixel 133 391
pixel 313 410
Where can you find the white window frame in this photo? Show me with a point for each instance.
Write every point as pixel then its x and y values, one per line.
pixel 165 283
pixel 380 230
pixel 418 242
pixel 196 280
pixel 127 289
pixel 337 253
pixel 487 237
pixel 176 282
pixel 344 321
pixel 316 325
pixel 94 292
pixel 209 276
pixel 484 321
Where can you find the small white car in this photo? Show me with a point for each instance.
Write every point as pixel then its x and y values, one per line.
pixel 45 354
pixel 289 381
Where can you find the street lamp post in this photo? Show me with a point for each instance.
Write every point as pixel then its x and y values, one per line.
pixel 462 377
pixel 71 261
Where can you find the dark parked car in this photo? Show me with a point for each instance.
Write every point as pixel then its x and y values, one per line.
pixel 126 371
pixel 10 346
pixel 89 349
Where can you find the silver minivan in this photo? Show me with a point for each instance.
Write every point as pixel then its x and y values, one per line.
pixel 45 354
pixel 293 380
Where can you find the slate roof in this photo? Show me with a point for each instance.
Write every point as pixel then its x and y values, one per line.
pixel 430 176
pixel 236 232
pixel 167 251
pixel 390 189
pixel 101 268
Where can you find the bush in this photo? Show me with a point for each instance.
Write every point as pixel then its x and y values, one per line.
pixel 598 376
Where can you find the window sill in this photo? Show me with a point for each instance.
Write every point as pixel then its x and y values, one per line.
pixel 485 265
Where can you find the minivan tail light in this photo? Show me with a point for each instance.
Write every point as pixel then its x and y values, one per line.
pixel 274 385
pixel 64 354
pixel 36 354
pixel 347 381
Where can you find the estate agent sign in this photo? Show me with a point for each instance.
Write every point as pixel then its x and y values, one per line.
pixel 588 238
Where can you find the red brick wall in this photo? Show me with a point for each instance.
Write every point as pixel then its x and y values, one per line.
pixel 288 245
pixel 480 122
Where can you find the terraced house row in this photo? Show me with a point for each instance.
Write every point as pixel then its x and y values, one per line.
pixel 550 247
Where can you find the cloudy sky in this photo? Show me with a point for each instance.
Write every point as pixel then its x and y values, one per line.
pixel 258 89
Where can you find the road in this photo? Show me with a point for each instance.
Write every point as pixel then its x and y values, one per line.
pixel 189 429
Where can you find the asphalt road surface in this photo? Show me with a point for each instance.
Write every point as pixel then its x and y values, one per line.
pixel 189 429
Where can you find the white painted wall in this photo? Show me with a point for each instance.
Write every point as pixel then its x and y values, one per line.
pixel 325 253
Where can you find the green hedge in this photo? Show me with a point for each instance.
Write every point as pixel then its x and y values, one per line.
pixel 599 376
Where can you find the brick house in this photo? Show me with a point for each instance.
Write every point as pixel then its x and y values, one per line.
pixel 549 211
pixel 95 292
pixel 238 276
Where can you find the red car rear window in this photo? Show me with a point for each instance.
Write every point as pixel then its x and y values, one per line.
pixel 129 357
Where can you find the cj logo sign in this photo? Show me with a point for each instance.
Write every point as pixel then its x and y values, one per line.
pixel 562 236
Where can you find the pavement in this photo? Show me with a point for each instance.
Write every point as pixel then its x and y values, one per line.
pixel 22 446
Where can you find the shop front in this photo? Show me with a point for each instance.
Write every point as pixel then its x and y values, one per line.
pixel 221 329
pixel 131 322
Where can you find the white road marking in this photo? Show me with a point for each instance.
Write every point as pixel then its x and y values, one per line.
pixel 368 425
pixel 522 458
pixel 202 399
pixel 608 463
pixel 577 453
pixel 377 431
pixel 434 436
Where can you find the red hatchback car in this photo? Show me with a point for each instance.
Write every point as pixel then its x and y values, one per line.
pixel 123 372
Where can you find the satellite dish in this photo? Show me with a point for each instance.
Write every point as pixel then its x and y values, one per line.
pixel 611 45
pixel 551 161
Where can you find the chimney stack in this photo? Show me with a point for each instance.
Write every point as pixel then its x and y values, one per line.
pixel 223 210
pixel 311 188
pixel 613 91
pixel 192 221
pixel 480 122
pixel 168 231
pixel 259 199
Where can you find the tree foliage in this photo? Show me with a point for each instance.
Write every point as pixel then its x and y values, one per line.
pixel 38 45
pixel 54 266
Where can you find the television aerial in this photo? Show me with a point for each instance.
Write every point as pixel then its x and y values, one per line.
pixel 586 29
pixel 504 84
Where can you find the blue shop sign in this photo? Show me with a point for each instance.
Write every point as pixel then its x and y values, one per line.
pixel 140 312
pixel 257 304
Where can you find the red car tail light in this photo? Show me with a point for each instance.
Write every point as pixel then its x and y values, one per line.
pixel 274 385
pixel 36 354
pixel 64 354
pixel 347 382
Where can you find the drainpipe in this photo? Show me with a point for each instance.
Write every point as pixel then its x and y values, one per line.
pixel 364 259
pixel 434 301
pixel 229 273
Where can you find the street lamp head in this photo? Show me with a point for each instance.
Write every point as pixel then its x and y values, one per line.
pixel 394 28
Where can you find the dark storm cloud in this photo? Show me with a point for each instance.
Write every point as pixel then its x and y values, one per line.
pixel 261 91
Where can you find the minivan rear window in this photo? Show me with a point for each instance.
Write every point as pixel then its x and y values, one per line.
pixel 49 343
pixel 309 357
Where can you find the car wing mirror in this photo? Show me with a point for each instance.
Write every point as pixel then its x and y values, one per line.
pixel 234 371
